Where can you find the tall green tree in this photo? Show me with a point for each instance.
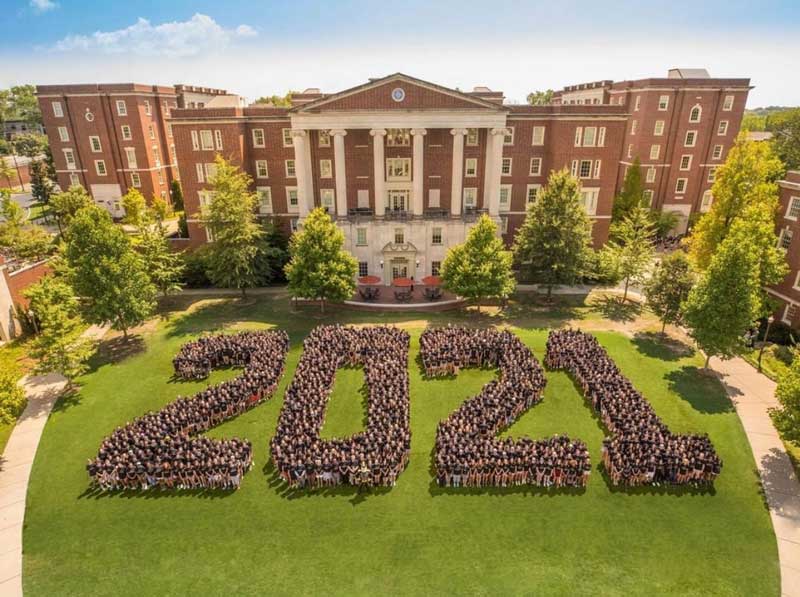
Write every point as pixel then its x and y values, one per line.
pixel 668 288
pixel 41 185
pixel 230 216
pixel 540 98
pixel 59 345
pixel 787 417
pixel 31 145
pixel 135 206
pixel 481 266
pixel 627 257
pixel 785 128
pixel 748 177
pixel 176 192
pixel 631 195
pixel 106 272
pixel 68 203
pixel 319 267
pixel 553 243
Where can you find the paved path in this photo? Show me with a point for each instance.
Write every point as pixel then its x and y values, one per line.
pixel 752 394
pixel 15 468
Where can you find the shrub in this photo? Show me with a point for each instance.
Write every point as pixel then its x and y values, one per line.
pixel 12 398
pixel 779 333
pixel 196 267
pixel 783 353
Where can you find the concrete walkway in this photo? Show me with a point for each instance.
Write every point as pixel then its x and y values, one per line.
pixel 15 468
pixel 753 394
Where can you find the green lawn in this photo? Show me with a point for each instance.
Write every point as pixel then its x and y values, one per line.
pixel 415 538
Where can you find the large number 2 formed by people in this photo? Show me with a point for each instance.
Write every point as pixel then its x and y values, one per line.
pixel 163 449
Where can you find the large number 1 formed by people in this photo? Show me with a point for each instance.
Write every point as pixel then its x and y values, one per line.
pixel 162 450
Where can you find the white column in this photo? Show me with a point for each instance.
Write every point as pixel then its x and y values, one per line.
pixel 380 172
pixel 418 184
pixel 456 188
pixel 340 172
pixel 305 194
pixel 494 163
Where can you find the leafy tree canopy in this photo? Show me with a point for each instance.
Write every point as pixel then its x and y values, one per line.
pixel 668 288
pixel 540 98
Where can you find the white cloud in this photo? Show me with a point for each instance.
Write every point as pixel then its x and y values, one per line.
pixel 174 39
pixel 42 5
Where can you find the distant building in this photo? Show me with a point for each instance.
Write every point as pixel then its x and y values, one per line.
pixel 16 127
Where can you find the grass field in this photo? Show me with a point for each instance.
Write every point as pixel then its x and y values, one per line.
pixel 415 538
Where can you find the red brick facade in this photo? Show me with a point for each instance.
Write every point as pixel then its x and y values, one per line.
pixel 788 230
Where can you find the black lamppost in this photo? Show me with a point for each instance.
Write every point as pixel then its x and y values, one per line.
pixel 770 319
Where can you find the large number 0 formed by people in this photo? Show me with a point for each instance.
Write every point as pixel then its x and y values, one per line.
pixel 160 449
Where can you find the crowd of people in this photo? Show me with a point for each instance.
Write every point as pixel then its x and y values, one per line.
pixel 375 457
pixel 641 450
pixel 468 452
pixel 158 450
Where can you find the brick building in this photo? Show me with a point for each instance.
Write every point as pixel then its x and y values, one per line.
pixel 788 231
pixel 110 138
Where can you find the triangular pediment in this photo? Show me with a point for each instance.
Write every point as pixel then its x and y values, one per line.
pixel 398 92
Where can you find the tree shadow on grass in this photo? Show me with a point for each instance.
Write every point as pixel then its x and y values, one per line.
pixel 115 350
pixel 660 347
pixel 703 392
pixel 71 397
pixel 612 307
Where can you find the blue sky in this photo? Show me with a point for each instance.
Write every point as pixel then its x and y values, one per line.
pixel 256 47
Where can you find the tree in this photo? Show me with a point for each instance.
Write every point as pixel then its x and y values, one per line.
pixel 31 145
pixel 748 177
pixel 540 98
pixel 106 273
pixel 724 302
pixel 279 101
pixel 785 128
pixel 628 256
pixel 135 206
pixel 553 242
pixel 753 122
pixel 631 195
pixel 668 288
pixel 12 398
pixel 20 103
pixel 481 266
pixel 25 242
pixel 230 217
pixel 319 268
pixel 177 195
pixel 41 185
pixel 787 418
pixel 68 203
pixel 59 345
pixel 164 267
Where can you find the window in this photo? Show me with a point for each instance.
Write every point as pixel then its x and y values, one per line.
pixel 136 180
pixel 206 141
pixel 294 224
pixel 648 197
pixel 218 138
pixel 663 102
pixel 785 241
pixel 589 200
pixel 173 154
pixel 258 138
pixel 201 173
pixel 58 111
pixel 712 174
pixel 705 202
pixel 472 136
pixel 436 267
pixel 398 169
pixel 727 104
pixel 536 167
pixel 362 198
pixel 398 137
pixel 211 171
pixel 505 197
pixel 63 134
pixel 290 169
pixel 531 193
pixel 680 185
pixel 471 167
pixel 590 136
pixel 324 139
pixel 436 236
pixel 156 156
pixel 596 173
pixel 286 135
pixel 634 126
pixel 722 129
pixel 601 136
pixel 147 109
pixel 399 236
pixel 789 314
pixel 161 178
pixel 325 169
pixel 655 151
pixel 651 174
pixel 127 136
pixel 691 139
pixel 130 154
pixel 264 195
pixel 122 109
pixel 686 162
pixel 363 268
pixel 508 138
pixel 100 167
pixel 327 198
pixel 195 141
pixel 433 197
pixel 292 202
pixel 74 180
pixel 630 150
pixel 470 197
pixel 261 169
pixel 361 237
pixel 94 144
pixel 696 112
pixel 69 156
pixel 658 129
pixel 794 208
pixel 637 102
pixel 717 153
pixel 585 169
pixel 503 224
pixel 538 135
pixel 505 168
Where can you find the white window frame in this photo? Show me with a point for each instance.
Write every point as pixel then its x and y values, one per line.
pixel 655 151
pixel 100 168
pixel 434 231
pixel 393 165
pixel 650 177
pixel 594 193
pixel 712 174
pixel 361 237
pixel 58 110
pixel 472 194
pixel 201 172
pixel 663 103
pixel 590 136
pixel 788 215
pixel 195 141
pixel 680 186
pixel 637 103
pixel 74 179
pixel 537 137
pixel 69 157
pixel 706 200
pixel 505 206
pixel 658 128
pixel 722 128
pixel 601 136
pixel 286 136
pixel 648 195
pixel 503 163
pixel 95 148
pixel 326 169
pixel 727 103
pixel 206 140
pixel 291 168
pixel 289 207
pixel 127 134
pixel 699 117
pixel 784 233
pixel 264 207
pixel 259 164
pixel 398 137
pixel 528 189
pixel 596 171
pixel 686 143
pixel 151 130
pixel 218 139
pixel 327 198
pixel 688 163
pixel 324 138
pixel 471 167
pixel 472 137
pixel 63 134
pixel 508 137
pixel 717 153
pixel 147 108
pixel 130 152
pixel 535 167
pixel 434 198
pixel 136 180
pixel 630 150
pixel 122 108
pixel 796 284
pixel 634 126
pixel 581 164
pixel 258 138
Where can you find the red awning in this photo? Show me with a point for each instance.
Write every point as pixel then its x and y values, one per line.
pixel 432 281
pixel 369 280
pixel 403 282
